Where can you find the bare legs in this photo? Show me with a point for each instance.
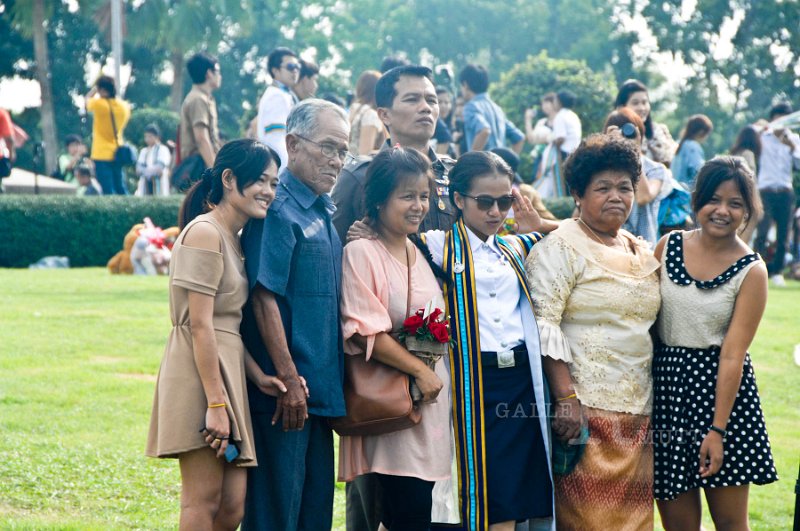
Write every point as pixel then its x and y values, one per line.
pixel 682 513
pixel 727 505
pixel 212 492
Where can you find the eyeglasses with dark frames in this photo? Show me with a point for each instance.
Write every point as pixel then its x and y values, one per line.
pixel 485 202
pixel 329 150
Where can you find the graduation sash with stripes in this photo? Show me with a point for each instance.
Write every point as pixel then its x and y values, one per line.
pixel 465 366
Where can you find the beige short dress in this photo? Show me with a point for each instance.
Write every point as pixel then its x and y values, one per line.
pixel 179 406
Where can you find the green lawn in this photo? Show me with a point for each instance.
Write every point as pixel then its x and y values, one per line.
pixel 79 350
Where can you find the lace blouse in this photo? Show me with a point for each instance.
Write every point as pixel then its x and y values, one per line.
pixel 595 306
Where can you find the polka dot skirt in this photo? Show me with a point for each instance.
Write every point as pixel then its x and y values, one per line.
pixel 684 385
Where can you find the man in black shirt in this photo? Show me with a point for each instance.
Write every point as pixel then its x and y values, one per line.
pixel 408 106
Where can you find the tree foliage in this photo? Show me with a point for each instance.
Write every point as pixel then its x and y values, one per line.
pixel 733 85
pixel 71 41
pixel 498 34
pixel 522 87
pixel 349 36
pixel 166 120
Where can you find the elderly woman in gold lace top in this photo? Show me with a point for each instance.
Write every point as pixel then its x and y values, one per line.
pixel 595 294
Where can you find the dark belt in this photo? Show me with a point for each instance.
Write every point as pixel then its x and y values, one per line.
pixel 489 359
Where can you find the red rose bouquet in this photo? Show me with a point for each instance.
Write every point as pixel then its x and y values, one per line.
pixel 430 327
pixel 426 335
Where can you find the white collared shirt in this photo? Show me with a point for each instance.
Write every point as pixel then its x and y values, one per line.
pixel 776 161
pixel 497 292
pixel 273 110
pixel 567 125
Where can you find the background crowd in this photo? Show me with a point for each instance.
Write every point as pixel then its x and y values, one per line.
pixel 469 120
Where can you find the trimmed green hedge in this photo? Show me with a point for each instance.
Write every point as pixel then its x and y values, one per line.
pixel 88 230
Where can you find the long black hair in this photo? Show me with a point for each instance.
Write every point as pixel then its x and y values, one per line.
pixel 626 90
pixel 697 125
pixel 748 138
pixel 246 158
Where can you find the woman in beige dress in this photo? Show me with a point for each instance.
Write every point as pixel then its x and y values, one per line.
pixel 595 294
pixel 200 411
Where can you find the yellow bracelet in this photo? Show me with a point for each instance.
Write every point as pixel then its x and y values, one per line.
pixel 211 406
pixel 573 395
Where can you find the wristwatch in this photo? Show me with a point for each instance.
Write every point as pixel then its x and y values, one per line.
pixel 718 430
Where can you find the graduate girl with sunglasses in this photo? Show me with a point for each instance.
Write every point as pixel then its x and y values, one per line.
pixel 498 395
pixel 499 410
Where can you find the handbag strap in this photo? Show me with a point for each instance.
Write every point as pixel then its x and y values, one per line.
pixel 113 121
pixel 408 290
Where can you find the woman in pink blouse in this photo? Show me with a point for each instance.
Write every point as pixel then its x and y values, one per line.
pixel 375 284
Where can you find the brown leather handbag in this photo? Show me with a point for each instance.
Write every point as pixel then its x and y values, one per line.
pixel 377 397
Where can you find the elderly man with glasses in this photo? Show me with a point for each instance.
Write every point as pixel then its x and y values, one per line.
pixel 291 327
pixel 278 100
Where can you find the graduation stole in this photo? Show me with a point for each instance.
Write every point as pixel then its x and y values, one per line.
pixel 465 366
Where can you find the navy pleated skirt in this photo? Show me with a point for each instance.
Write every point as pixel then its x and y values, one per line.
pixel 519 485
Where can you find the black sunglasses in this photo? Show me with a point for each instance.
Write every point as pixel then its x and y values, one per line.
pixel 485 202
pixel 292 67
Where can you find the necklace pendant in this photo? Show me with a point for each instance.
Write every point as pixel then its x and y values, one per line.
pixel 458 267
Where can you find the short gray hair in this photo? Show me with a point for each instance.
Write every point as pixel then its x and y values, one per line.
pixel 304 117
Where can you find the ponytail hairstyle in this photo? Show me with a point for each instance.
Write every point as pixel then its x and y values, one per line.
pixel 246 158
pixel 472 165
pixel 438 272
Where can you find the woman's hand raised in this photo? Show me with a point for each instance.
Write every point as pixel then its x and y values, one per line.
pixel 526 217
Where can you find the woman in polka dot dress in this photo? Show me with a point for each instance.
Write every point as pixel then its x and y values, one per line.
pixel 708 425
